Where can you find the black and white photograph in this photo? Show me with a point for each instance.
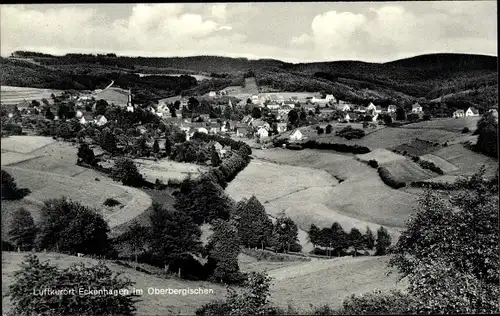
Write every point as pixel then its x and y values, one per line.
pixel 249 158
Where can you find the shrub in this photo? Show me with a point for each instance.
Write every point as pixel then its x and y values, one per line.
pixel 386 176
pixel 111 202
pixel 126 171
pixel 174 183
pixel 355 149
pixel 465 130
pixel 377 303
pixel 10 191
pixel 373 163
pixel 40 275
pixel 351 133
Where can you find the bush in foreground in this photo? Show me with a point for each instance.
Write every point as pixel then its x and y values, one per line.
pixel 23 232
pixel 36 275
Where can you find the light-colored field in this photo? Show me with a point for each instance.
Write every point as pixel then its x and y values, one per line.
pixel 447 124
pixel 25 144
pixel 408 171
pixel 168 169
pixel 245 92
pixel 148 304
pixel 444 178
pixel 359 201
pixel 381 155
pixel 14 95
pixel 251 264
pixel 467 161
pixel 10 157
pixel 114 95
pixel 440 162
pixel 329 282
pixel 54 173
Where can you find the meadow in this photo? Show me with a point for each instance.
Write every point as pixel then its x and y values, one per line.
pixel 467 161
pixel 166 169
pixel 15 95
pixel 114 95
pixel 380 155
pixel 408 171
pixel 447 124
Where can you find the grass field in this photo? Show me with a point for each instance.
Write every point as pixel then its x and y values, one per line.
pixel 25 144
pixel 15 95
pixel 417 147
pixel 330 281
pixel 361 200
pixel 165 169
pixel 381 155
pixel 408 171
pixel 467 161
pixel 114 95
pixel 447 124
pixel 439 162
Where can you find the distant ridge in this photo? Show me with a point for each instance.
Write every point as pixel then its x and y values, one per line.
pixel 453 60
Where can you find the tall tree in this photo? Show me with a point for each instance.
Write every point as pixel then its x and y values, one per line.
pixel 383 241
pixel 254 226
pixel 228 111
pixel 101 106
pixel 339 238
pixel 126 172
pixel 400 114
pixel 224 248
pixel 10 191
pixel 313 234
pixel 23 230
pixel 487 131
pixel 174 235
pixel 256 112
pixel 66 225
pixel 285 233
pixel 108 140
pixel 369 239
pixel 449 251
pixel 156 147
pixel 356 239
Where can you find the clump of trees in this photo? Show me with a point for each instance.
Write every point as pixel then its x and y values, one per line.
pixel 355 149
pixel 254 226
pixel 37 275
pixel 127 173
pixel 487 131
pixel 10 191
pixel 23 230
pixel 68 226
pixel 388 179
pixel 86 155
pixel 349 132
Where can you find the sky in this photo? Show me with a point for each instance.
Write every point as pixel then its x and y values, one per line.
pixel 288 31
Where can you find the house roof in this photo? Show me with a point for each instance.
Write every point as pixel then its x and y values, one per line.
pixel 474 110
pixel 378 108
pixel 459 111
pixel 258 122
pixel 416 105
pixel 392 106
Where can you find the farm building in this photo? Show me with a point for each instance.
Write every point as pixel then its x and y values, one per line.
pixel 289 104
pixel 392 108
pixel 472 112
pixel 101 120
pixel 262 132
pixel 416 108
pixel 283 112
pixel 212 94
pixel 79 114
pixel 296 135
pixel 281 127
pixel 273 106
pixel 371 107
pixel 330 98
pixel 349 117
pixel 86 118
pixel 458 113
pixel 214 127
pixel 344 107
pixel 241 130
pixel 318 99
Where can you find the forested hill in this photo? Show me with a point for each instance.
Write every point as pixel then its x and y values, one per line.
pixel 461 80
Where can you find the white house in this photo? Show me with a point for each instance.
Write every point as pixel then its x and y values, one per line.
pixel 472 112
pixel 288 104
pixel 378 109
pixel 212 94
pixel 360 109
pixel 130 108
pixel 296 135
pixel 202 130
pixel 79 114
pixel 330 98
pixel 281 127
pixel 391 108
pixel 273 106
pixel 101 120
pixel 371 107
pixel 345 107
pixel 262 132
pixel 458 113
pixel 416 108
pixel 317 99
